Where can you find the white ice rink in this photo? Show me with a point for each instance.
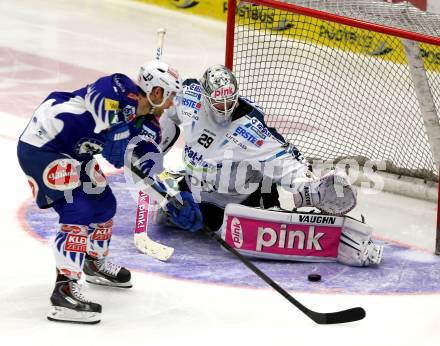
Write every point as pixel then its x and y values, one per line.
pixel 59 44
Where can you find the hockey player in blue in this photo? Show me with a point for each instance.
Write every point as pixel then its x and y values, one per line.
pixel 56 153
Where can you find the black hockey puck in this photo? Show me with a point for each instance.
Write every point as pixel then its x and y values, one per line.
pixel 314 277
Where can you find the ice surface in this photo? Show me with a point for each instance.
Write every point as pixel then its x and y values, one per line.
pixel 47 45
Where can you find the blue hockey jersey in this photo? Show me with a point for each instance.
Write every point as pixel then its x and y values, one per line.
pixel 74 123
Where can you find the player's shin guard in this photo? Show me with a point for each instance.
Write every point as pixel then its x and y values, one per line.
pixel 68 302
pixel 70 249
pixel 98 268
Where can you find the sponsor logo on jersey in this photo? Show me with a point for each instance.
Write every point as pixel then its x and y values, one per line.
pixel 146 131
pixel 88 146
pixel 129 113
pixel 236 232
pixel 193 94
pixel 96 175
pixel 111 105
pixel 190 103
pixel 327 220
pixel 194 87
pixel 256 126
pixel 231 138
pixel 190 114
pixel 194 157
pixel 61 175
pixel 242 132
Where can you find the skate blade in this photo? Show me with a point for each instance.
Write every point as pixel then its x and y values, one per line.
pixel 60 314
pixel 96 280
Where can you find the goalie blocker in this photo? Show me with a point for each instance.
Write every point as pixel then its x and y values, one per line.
pixel 308 237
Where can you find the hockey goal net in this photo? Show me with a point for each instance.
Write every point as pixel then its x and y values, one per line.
pixel 345 81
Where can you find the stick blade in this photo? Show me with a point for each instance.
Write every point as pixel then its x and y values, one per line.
pixel 149 247
pixel 345 316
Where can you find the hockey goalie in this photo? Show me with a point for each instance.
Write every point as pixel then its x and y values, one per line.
pixel 233 165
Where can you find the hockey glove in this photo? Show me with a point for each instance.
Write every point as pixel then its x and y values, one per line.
pixel 116 142
pixel 332 194
pixel 186 216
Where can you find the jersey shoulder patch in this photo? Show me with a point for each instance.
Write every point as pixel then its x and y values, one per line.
pixel 190 98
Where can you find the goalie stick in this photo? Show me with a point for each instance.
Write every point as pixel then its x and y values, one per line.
pixel 344 316
pixel 141 239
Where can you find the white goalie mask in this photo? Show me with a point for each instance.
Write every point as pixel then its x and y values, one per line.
pixel 220 90
pixel 159 74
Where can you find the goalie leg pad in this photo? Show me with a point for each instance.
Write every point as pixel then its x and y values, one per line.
pixel 356 247
pixel 282 235
pixel 308 237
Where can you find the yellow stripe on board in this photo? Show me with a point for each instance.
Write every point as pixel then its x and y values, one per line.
pixel 216 9
pixel 307 29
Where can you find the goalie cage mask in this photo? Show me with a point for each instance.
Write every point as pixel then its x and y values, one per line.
pixel 220 90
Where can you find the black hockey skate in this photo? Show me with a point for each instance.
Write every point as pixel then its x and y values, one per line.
pixel 70 305
pixel 104 272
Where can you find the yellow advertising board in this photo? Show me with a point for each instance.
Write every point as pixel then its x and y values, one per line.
pixel 216 9
pixel 307 29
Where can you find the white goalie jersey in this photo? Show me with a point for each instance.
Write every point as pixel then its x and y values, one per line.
pixel 226 163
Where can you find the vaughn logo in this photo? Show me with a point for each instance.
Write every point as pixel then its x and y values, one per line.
pixel 326 220
pixel 294 239
pixel 236 233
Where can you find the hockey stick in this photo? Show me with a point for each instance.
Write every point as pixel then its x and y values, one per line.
pixel 141 239
pixel 160 39
pixel 344 316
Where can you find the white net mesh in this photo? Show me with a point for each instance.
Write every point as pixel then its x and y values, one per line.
pixel 337 91
pixel 401 15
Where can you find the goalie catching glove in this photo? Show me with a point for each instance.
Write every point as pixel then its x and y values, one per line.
pixel 332 194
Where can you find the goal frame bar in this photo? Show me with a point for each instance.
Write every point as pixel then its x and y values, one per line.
pixel 289 7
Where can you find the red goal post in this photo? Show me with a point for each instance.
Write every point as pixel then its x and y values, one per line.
pixel 346 81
